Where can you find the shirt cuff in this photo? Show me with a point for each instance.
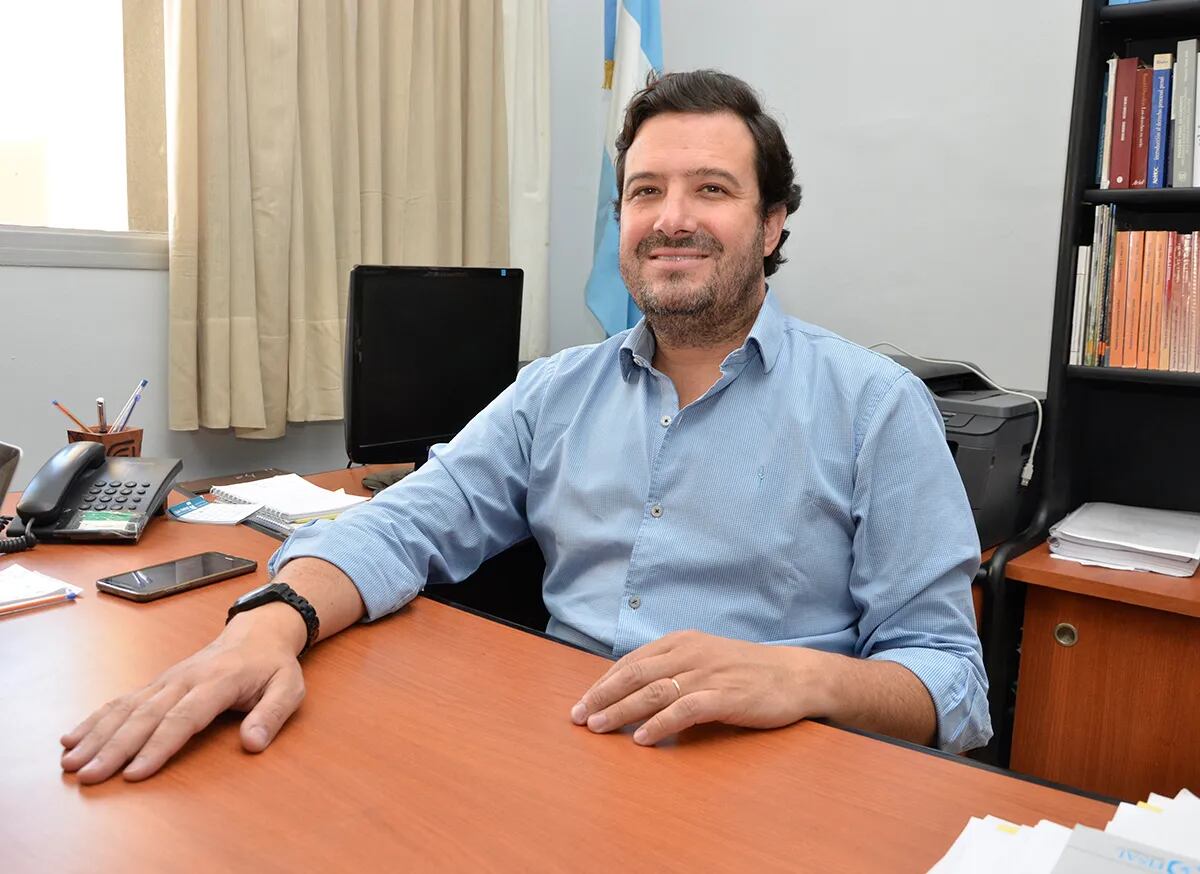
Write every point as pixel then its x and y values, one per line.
pixel 959 696
pixel 381 595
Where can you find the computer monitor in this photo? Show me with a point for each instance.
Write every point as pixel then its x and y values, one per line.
pixel 426 349
pixel 10 457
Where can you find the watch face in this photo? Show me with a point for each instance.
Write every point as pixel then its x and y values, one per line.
pixel 251 595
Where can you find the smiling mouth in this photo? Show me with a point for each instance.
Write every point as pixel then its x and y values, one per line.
pixel 678 257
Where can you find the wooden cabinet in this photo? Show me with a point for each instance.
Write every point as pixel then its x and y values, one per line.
pixel 1108 697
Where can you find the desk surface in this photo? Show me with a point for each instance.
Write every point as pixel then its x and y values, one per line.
pixel 1157 591
pixel 437 739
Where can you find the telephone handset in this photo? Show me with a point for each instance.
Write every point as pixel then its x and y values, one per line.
pixel 81 495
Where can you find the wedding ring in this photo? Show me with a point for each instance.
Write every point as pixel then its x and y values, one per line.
pixel 678 691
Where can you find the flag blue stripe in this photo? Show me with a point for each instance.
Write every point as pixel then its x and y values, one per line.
pixel 605 294
pixel 610 29
pixel 647 14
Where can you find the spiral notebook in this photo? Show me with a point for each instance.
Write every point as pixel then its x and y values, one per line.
pixel 287 499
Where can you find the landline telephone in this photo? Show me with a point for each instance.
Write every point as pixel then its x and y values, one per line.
pixel 80 495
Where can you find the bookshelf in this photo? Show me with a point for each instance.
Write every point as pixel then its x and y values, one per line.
pixel 1121 435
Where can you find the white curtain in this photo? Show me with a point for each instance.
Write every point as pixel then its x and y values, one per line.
pixel 527 90
pixel 303 138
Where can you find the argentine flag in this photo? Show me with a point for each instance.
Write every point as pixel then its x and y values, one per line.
pixel 632 47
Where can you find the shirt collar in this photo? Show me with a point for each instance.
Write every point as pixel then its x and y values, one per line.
pixel 766 335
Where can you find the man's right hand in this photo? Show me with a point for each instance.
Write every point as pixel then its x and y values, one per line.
pixel 251 666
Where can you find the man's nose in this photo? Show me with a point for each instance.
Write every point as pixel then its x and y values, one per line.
pixel 676 217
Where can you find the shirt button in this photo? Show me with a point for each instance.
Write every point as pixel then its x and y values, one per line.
pixel 656 510
pixel 665 421
pixel 635 602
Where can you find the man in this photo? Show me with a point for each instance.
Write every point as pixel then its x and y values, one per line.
pixel 760 518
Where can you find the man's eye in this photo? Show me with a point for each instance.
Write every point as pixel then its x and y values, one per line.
pixel 713 189
pixel 641 192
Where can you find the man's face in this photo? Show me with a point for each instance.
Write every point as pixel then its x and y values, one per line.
pixel 692 233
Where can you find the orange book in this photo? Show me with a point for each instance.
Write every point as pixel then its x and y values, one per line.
pixel 1164 332
pixel 1161 257
pixel 1116 312
pixel 1152 261
pixel 1133 298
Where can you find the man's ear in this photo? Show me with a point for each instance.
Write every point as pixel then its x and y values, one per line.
pixel 772 228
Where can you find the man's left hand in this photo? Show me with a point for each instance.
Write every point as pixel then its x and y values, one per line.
pixel 688 677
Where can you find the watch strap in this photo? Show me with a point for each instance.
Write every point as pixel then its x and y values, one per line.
pixel 285 593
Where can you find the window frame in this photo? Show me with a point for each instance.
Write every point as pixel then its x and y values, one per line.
pixel 27 246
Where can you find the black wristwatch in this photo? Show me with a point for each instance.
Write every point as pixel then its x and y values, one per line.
pixel 285 593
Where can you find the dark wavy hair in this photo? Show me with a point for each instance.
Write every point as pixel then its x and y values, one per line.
pixel 713 91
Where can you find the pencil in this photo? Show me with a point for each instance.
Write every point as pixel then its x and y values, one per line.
pixel 37 602
pixel 69 415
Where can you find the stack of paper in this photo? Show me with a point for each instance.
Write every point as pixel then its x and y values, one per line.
pixel 1129 538
pixel 287 501
pixel 21 588
pixel 1160 834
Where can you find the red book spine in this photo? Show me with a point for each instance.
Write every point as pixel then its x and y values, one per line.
pixel 1141 130
pixel 1123 123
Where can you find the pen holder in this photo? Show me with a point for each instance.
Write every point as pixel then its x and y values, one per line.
pixel 127 443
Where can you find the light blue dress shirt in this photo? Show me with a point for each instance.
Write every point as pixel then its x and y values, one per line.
pixel 808 498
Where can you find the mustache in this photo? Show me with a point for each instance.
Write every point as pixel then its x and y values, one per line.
pixel 699 242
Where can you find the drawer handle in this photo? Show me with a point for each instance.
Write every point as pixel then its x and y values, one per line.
pixel 1066 634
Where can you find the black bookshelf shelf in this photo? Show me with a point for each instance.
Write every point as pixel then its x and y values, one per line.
pixel 1167 199
pixel 1133 376
pixel 1166 11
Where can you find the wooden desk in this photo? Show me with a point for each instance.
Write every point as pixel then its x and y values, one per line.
pixel 435 739
pixel 1117 712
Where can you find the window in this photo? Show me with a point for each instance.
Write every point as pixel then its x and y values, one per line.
pixel 62 129
pixel 83 179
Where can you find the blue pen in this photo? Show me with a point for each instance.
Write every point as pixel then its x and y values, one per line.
pixel 122 419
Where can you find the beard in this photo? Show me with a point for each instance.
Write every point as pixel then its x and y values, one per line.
pixel 683 312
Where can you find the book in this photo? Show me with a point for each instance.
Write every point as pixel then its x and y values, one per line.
pixel 1083 261
pixel 1152 262
pixel 1160 120
pixel 1163 346
pixel 1133 298
pixel 1120 294
pixel 1184 135
pixel 288 499
pixel 1106 127
pixel 1157 290
pixel 1143 103
pixel 1124 94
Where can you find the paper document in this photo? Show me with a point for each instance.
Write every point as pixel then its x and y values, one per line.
pixel 19 585
pixel 288 498
pixel 1129 538
pixel 1159 834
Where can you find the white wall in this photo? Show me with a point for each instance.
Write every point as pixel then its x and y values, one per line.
pixel 930 139
pixel 72 334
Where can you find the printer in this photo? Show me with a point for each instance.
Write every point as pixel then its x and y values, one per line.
pixel 990 434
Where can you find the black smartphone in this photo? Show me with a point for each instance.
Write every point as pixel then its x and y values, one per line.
pixel 159 580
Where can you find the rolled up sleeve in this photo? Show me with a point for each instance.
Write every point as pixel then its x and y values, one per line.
pixel 916 551
pixel 464 505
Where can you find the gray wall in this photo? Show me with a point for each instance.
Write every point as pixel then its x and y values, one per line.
pixel 930 139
